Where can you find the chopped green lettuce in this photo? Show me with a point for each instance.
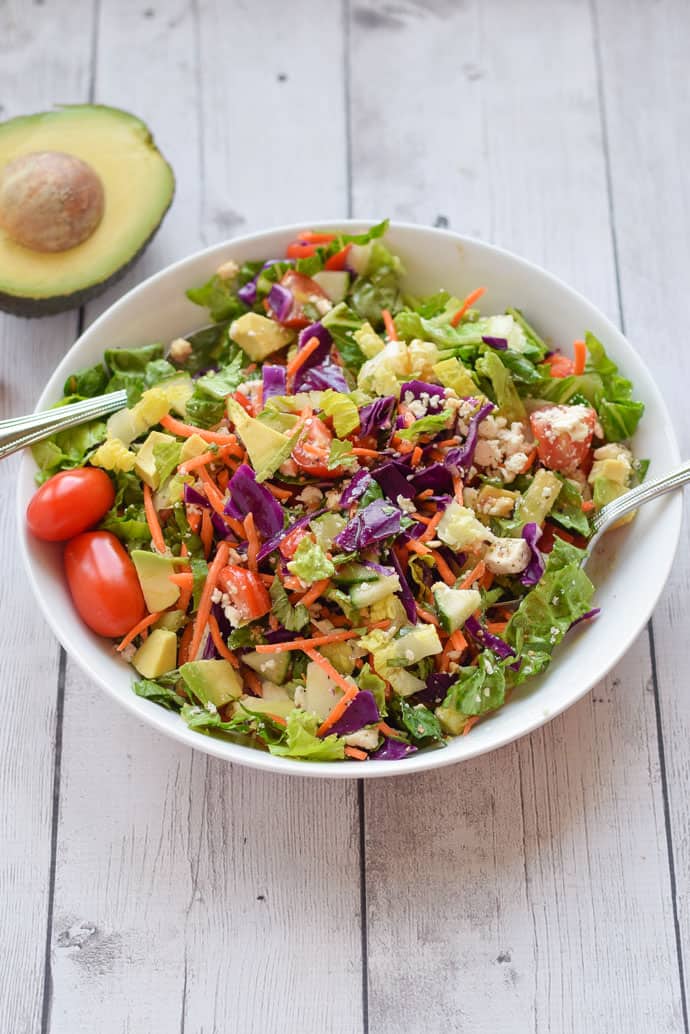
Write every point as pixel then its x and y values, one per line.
pixel 504 390
pixel 310 563
pixel 292 618
pixel 342 410
pixel 302 742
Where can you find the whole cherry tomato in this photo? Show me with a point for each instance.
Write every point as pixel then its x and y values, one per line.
pixel 104 584
pixel 69 503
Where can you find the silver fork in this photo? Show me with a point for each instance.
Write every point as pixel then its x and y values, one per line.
pixel 633 500
pixel 18 432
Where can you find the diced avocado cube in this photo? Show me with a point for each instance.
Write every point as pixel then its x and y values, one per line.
pixel 192 447
pixel 154 573
pixel 273 666
pixel 452 721
pixel 157 654
pixel 266 448
pixel 496 502
pixel 214 682
pixel 539 497
pixel 259 336
pixel 263 705
pixel 171 620
pixel 145 465
pixel 340 656
pixel 455 605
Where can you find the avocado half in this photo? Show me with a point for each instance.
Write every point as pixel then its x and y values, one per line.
pixel 138 185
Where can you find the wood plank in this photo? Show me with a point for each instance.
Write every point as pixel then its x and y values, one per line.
pixel 43 56
pixel 189 893
pixel 647 99
pixel 500 883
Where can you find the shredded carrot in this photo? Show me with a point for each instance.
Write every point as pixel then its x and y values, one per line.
pixel 152 520
pixel 317 589
pixel 447 443
pixel 194 520
pixel 185 640
pixel 140 626
pixel 457 489
pixel 277 718
pixel 219 562
pixel 474 575
pixel 469 723
pixel 340 708
pixel 487 579
pixel 222 478
pixel 209 457
pixel 471 298
pixel 267 579
pixel 206 532
pixel 300 644
pixel 443 569
pixel 389 325
pixel 579 357
pixel 371 453
pixel 185 583
pixel 587 505
pixel 213 493
pixel 497 627
pixel 420 517
pixel 183 549
pixel 416 456
pixel 428 533
pixel 253 543
pixel 182 430
pixel 280 493
pixel 219 642
pixel 416 546
pixel 426 615
pixel 253 681
pixel 426 494
pixel 300 359
pixel 386 730
pixel 528 462
pixel 350 690
pixel 356 754
pixel 290 582
pixel 458 641
pixel 235 525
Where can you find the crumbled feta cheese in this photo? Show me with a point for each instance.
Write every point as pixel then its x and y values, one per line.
pixel 366 739
pixel 128 653
pixel 333 499
pixel 502 449
pixel 311 496
pixel 228 270
pixel 180 350
pixel 322 305
pixel 405 504
pixel 507 556
pixel 211 707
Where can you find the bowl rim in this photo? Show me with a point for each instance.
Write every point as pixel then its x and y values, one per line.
pixel 423 761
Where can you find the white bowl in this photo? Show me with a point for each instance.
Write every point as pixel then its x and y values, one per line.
pixel 630 570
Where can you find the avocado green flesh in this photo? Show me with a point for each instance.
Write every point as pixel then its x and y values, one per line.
pixel 139 187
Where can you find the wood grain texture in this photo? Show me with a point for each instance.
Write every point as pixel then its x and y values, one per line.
pixel 33 72
pixel 499 882
pixel 647 103
pixel 191 895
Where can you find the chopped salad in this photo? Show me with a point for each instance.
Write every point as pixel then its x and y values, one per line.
pixel 342 522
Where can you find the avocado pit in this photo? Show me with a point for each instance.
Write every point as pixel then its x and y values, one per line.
pixel 50 201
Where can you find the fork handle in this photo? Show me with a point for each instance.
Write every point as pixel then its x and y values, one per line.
pixel 17 433
pixel 642 494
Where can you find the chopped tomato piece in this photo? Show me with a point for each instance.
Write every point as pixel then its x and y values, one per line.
pixel 248 594
pixel 312 450
pixel 560 365
pixel 564 436
pixel 339 260
pixel 288 545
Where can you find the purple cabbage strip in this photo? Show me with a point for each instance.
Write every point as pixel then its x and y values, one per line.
pixel 459 460
pixel 247 496
pixel 274 381
pixel 279 635
pixel 495 342
pixel 393 481
pixel 195 498
pixel 377 416
pixel 413 532
pixel 488 639
pixel 323 351
pixel 224 626
pixel 357 487
pixel 247 293
pixel 362 711
pixel 405 595
pixel 419 388
pixel 586 617
pixel 272 544
pixel 379 520
pixel 220 527
pixel 209 652
pixel 436 477
pixel 281 301
pixel 385 572
pixel 531 533
pixel 319 378
pixel 393 750
pixel 437 686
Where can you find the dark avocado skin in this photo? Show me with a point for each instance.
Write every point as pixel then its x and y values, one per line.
pixel 33 308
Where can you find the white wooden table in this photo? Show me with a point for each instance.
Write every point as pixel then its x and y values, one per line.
pixel 546 887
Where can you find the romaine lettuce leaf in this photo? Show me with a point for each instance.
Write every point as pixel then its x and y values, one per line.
pixel 342 323
pixel 504 391
pixel 478 689
pixel 342 410
pixel 292 618
pixel 310 563
pixel 67 449
pixel 301 740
